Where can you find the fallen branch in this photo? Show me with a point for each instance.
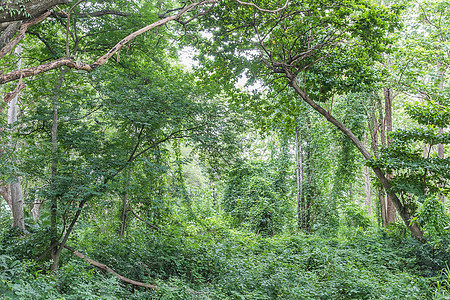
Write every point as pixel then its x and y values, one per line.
pixel 109 270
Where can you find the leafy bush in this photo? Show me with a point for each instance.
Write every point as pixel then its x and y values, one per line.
pixel 208 261
pixel 433 217
pixel 250 199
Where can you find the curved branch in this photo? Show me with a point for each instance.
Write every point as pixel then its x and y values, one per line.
pixel 21 34
pixel 402 209
pixel 71 63
pixel 27 72
pixel 8 32
pixel 172 10
pixel 9 96
pixel 198 15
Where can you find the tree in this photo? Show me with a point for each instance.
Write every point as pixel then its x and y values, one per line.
pixel 325 58
pixel 13 193
pixel 70 61
pixel 326 34
pixel 105 122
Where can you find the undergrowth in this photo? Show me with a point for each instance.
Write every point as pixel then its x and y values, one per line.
pixel 215 262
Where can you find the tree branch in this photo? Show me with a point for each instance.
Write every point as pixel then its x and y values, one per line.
pixel 45 43
pixel 9 96
pixel 401 208
pixel 21 34
pixel 9 32
pixel 83 116
pixel 68 24
pixel 71 63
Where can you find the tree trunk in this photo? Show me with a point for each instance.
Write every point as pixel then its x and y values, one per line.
pixel 299 172
pixel 441 130
pixel 36 210
pixel 440 146
pixel 367 185
pixel 382 212
pixel 15 187
pixel 308 198
pixel 4 191
pixel 389 206
pixel 54 200
pixel 402 210
pixel 17 205
pixel 123 217
pixel 54 167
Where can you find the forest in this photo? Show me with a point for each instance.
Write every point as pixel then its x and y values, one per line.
pixel 224 149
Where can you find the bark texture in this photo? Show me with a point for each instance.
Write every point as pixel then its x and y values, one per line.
pixel 389 210
pixel 36 210
pixel 8 32
pixel 17 205
pixel 21 34
pixel 26 9
pixel 55 253
pixel 4 191
pixel 367 185
pixel 123 218
pixel 15 187
pixel 299 172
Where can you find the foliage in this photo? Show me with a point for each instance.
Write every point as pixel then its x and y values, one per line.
pixel 209 261
pixel 432 216
pixel 200 172
pixel 251 199
pixel 418 174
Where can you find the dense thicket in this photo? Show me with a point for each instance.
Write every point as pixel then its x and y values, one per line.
pixel 224 150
